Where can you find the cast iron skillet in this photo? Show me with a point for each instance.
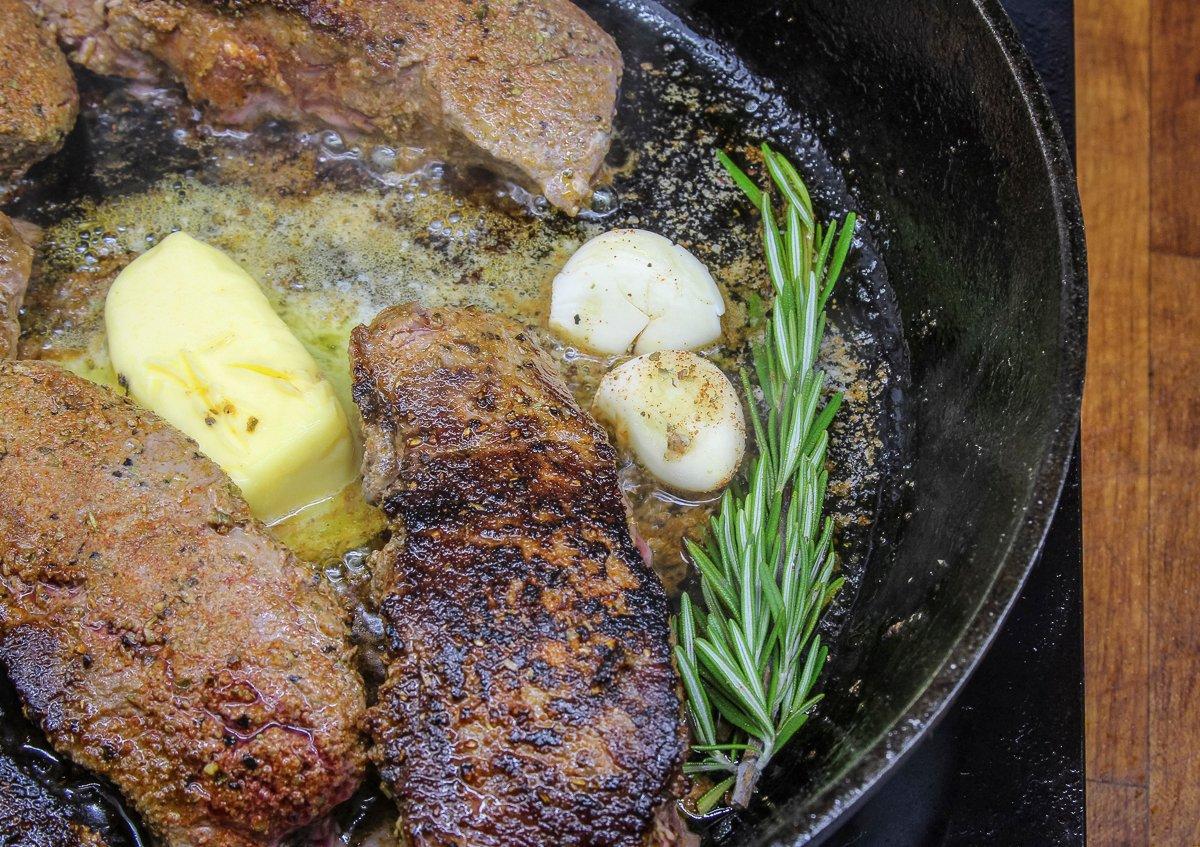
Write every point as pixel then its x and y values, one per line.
pixel 927 118
pixel 961 170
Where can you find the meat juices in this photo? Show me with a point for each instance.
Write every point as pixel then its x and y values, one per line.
pixel 527 87
pixel 530 697
pixel 38 101
pixel 154 630
pixel 30 816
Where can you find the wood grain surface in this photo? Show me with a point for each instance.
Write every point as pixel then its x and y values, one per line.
pixel 1138 84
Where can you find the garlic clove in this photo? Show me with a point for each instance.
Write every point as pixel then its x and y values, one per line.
pixel 680 417
pixel 627 284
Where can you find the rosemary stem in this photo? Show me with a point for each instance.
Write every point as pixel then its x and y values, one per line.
pixel 747 775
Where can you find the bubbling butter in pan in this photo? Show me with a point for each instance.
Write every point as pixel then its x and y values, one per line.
pixel 329 257
pixel 326 261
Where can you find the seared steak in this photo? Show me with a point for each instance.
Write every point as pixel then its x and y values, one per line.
pixel 154 630
pixel 38 101
pixel 15 262
pixel 527 86
pixel 530 697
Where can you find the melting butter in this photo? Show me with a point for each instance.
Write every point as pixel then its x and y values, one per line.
pixel 192 337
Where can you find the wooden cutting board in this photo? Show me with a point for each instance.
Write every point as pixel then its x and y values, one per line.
pixel 1138 83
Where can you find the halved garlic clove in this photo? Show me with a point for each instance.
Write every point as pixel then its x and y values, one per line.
pixel 631 286
pixel 680 417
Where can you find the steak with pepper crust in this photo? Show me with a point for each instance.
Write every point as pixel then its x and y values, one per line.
pixel 527 87
pixel 530 697
pixel 38 100
pixel 154 630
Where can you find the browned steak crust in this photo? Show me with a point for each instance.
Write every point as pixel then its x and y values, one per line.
pixel 15 263
pixel 528 86
pixel 38 101
pixel 530 697
pixel 154 630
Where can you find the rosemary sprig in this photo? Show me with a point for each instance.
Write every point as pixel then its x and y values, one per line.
pixel 750 658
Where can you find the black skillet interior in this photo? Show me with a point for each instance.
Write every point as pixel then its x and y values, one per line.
pixel 948 146
pixel 925 117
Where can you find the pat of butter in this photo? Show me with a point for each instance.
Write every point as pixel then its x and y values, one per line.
pixel 194 339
